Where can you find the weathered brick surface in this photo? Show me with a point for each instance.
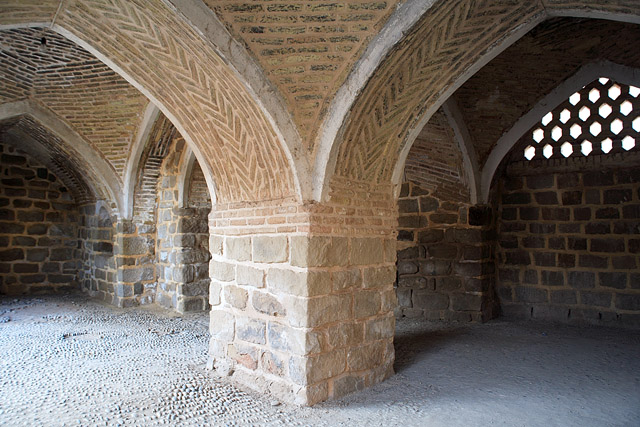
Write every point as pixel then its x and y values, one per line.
pixel 65 80
pixel 39 223
pixel 435 164
pixel 306 48
pixel 571 267
pixel 445 268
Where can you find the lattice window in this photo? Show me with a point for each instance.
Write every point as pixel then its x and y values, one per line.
pixel 601 118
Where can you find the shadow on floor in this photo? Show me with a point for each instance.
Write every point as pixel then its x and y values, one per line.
pixel 412 343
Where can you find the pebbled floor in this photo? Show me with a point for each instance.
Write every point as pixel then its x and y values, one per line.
pixel 68 360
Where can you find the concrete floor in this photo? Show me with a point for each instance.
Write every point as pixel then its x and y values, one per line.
pixel 72 361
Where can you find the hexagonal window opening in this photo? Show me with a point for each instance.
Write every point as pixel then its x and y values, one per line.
pixel 634 91
pixel 626 107
pixel 635 124
pixel 574 99
pixel 586 147
pixel 547 119
pixel 603 80
pixel 614 92
pixel 556 133
pixel 605 110
pixel 616 126
pixel 565 115
pixel 594 95
pixel 529 152
pixel 584 113
pixel 538 135
pixel 595 128
pixel 606 145
pixel 575 131
pixel 628 142
pixel 566 149
pixel 547 151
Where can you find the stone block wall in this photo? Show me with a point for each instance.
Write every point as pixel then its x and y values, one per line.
pixel 302 295
pixel 182 261
pixel 96 237
pixel 38 228
pixel 446 268
pixel 569 241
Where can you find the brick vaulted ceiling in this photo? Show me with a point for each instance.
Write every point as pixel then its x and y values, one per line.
pixel 98 104
pixel 510 85
pixel 306 48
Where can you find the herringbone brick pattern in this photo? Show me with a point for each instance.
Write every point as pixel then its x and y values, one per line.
pixel 306 48
pixel 448 39
pixel 166 56
pixel 435 161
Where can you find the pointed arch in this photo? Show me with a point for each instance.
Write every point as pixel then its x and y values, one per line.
pixel 101 175
pixel 582 77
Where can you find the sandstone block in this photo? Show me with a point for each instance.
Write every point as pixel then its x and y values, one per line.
pixel 249 276
pixel 305 283
pixel 374 277
pixel 236 296
pixel 251 330
pixel 346 334
pixel 238 248
pixel 366 304
pixel 325 365
pixel 346 279
pixel 380 328
pixel 319 251
pixel 365 357
pixel 294 340
pixel 366 251
pixel 222 271
pixel 222 325
pixel 270 249
pixel 267 304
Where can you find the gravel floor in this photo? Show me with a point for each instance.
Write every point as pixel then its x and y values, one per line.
pixel 72 361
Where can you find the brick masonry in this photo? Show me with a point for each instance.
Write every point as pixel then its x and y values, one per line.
pixel 568 241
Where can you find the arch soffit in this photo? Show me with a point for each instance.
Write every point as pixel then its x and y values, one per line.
pixel 103 173
pixel 561 93
pixel 270 168
pixel 331 137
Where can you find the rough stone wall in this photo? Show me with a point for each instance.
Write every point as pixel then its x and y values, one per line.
pixel 182 265
pixel 96 237
pixel 302 295
pixel 38 228
pixel 445 258
pixel 568 246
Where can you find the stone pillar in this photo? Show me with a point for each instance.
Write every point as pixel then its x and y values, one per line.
pixel 302 295
pixel 135 256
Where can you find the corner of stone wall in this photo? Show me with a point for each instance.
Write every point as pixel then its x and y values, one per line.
pixel 446 267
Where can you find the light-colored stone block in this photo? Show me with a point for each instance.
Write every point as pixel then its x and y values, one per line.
pixel 249 276
pixel 380 328
pixel 365 357
pixel 293 340
pixel 367 251
pixel 346 279
pixel 374 277
pixel 215 288
pixel 301 283
pixel 267 303
pixel 346 334
pixel 366 304
pixel 251 330
pixel 223 271
pixel 222 325
pixel 235 296
pixel 319 251
pixel 216 244
pixel 238 248
pixel 270 249
pixel 325 365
